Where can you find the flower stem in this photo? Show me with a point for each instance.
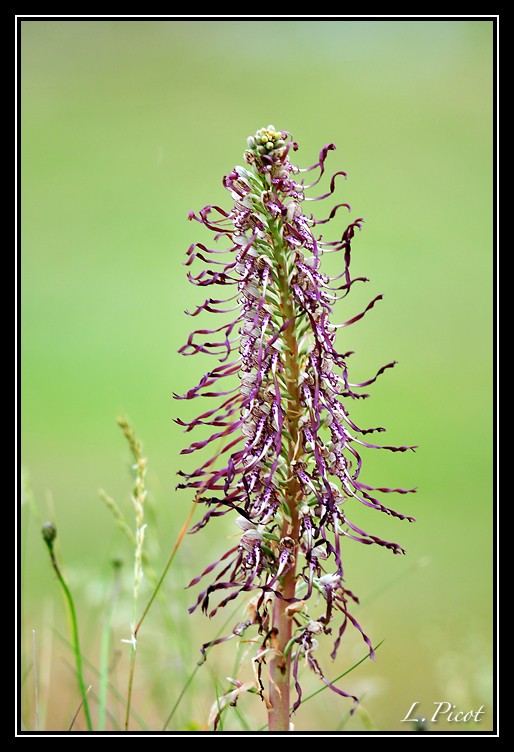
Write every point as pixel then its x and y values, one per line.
pixel 280 665
pixel 49 534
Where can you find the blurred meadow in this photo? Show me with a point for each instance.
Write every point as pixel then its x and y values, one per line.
pixel 126 126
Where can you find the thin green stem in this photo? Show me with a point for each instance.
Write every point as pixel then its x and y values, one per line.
pixel 166 568
pixel 130 685
pixel 242 719
pixel 77 711
pixel 179 698
pixel 49 538
pixel 138 500
pixel 36 680
pixel 321 689
pixel 145 612
pixel 104 650
pixel 220 709
pixel 108 713
pixel 115 692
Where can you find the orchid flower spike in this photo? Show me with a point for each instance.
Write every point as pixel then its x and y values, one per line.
pixel 285 457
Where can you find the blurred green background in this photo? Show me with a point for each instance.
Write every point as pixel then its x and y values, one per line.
pixel 126 126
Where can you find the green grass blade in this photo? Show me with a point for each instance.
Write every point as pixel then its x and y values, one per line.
pixel 105 644
pixel 321 689
pixel 104 673
pixel 112 689
pixel 242 720
pixel 194 671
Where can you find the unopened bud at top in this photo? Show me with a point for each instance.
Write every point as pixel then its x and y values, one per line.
pixel 266 141
pixel 49 532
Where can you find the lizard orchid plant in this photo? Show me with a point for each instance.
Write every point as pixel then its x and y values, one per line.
pixel 286 458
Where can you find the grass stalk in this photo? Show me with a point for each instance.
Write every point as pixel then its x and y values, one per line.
pixel 138 499
pixel 195 670
pixel 36 680
pixel 113 690
pixel 105 644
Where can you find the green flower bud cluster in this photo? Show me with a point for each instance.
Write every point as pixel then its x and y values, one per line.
pixel 266 141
